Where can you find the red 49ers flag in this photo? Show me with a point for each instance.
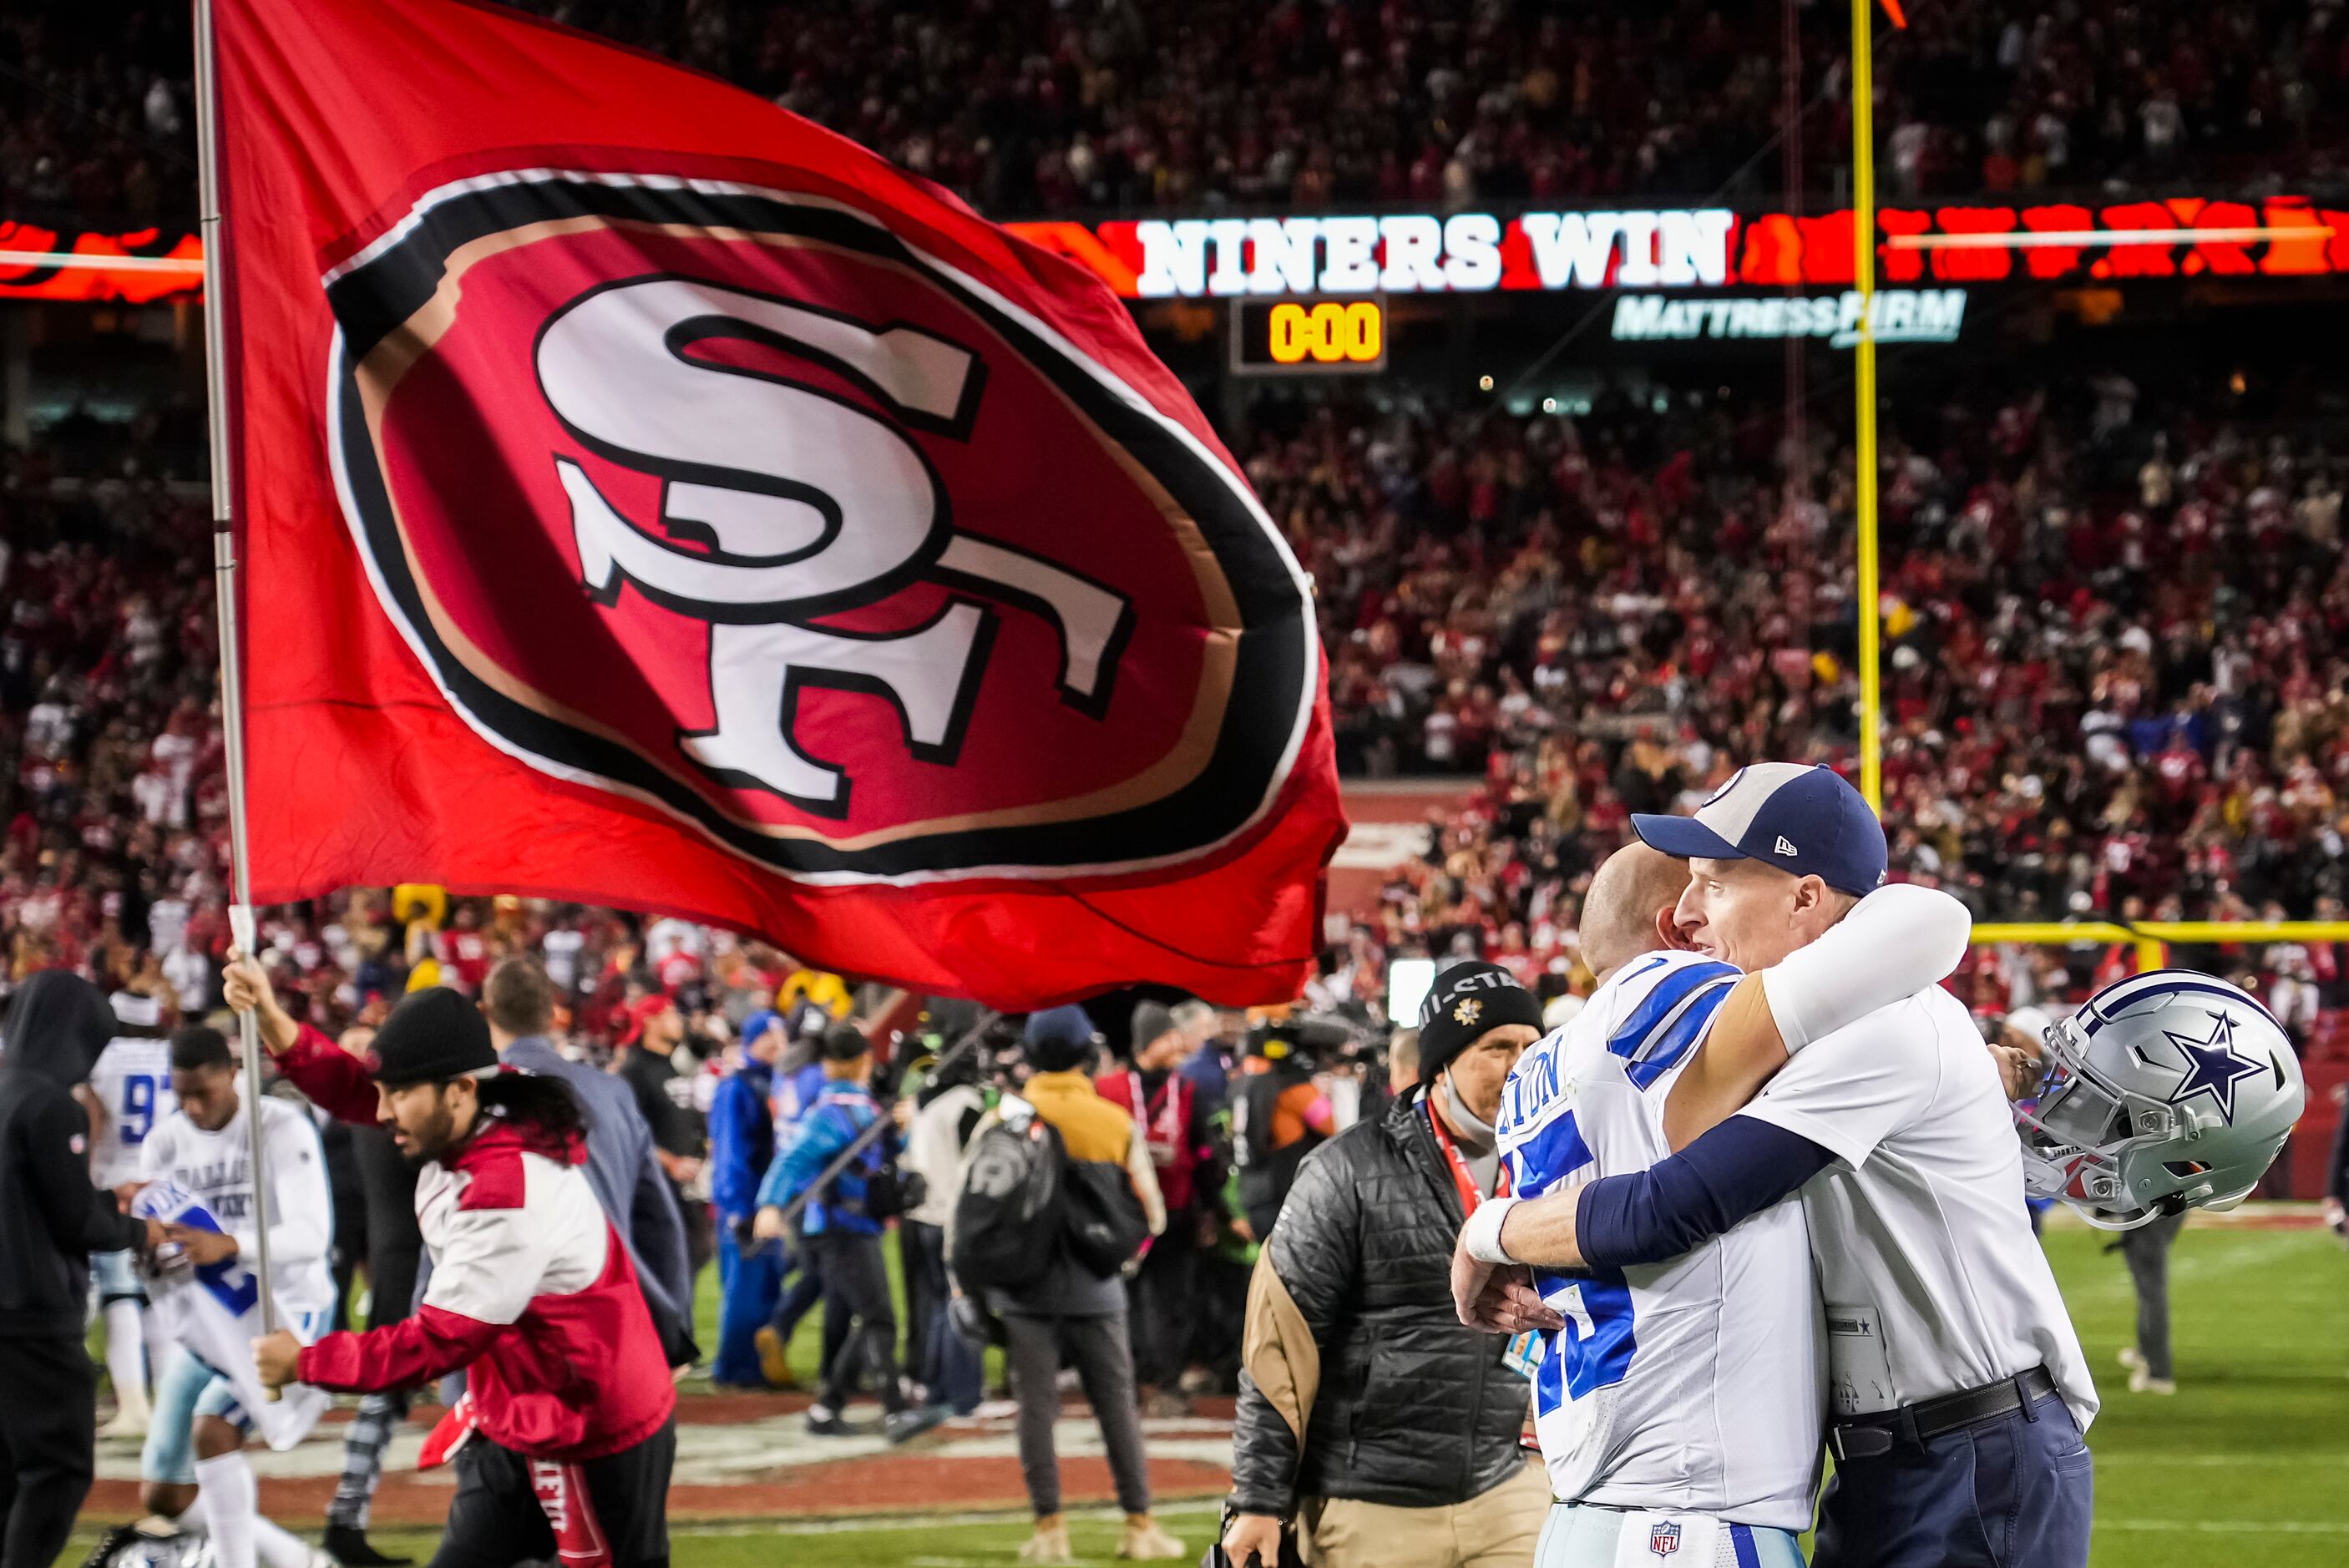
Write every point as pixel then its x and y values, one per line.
pixel 648 498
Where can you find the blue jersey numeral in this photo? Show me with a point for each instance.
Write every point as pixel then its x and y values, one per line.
pixel 138 1118
pixel 1596 1341
pixel 233 1284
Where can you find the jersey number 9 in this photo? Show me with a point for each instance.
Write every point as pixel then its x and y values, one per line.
pixel 138 1109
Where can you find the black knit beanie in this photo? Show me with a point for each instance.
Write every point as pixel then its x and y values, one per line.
pixel 1467 1002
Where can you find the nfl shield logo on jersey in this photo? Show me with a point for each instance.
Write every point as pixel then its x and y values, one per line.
pixel 1664 1539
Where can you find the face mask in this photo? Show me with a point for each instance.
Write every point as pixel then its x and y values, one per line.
pixel 1474 1130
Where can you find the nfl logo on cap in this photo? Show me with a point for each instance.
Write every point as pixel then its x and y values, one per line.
pixel 1806 820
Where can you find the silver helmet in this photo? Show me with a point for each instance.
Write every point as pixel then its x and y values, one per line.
pixel 150 1544
pixel 2165 1091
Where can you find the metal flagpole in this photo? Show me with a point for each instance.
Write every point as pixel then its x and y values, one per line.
pixel 240 914
pixel 1863 244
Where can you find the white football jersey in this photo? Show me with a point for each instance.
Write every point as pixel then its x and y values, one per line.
pixel 1694 1386
pixel 216 1167
pixel 1933 1281
pixel 133 1080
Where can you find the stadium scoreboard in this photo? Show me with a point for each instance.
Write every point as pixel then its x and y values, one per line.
pixel 1303 335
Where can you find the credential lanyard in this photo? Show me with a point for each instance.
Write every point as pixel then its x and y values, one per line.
pixel 1462 1177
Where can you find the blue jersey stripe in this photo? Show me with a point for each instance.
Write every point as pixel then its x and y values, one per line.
pixel 1741 1541
pixel 1548 1156
pixel 1549 1379
pixel 1670 992
pixel 1677 1035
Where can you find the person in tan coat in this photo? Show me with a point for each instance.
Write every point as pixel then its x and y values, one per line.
pixel 1068 1309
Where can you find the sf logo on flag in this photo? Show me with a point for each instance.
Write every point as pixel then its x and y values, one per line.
pixel 733 500
pixel 840 507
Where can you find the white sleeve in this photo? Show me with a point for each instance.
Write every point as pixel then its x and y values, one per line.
pixel 1895 942
pixel 155 1151
pixel 1857 1087
pixel 490 1263
pixel 300 1200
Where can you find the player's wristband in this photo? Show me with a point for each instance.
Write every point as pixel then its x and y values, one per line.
pixel 1483 1231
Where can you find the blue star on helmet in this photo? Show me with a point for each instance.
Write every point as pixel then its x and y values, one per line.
pixel 2214 1065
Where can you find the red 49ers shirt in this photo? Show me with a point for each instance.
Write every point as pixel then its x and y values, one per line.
pixel 532 1294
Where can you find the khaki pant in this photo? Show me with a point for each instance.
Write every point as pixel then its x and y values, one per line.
pixel 1497 1530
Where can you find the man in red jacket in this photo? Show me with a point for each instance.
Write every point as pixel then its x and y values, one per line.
pixel 533 1296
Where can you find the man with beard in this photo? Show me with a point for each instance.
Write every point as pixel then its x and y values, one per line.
pixel 533 1296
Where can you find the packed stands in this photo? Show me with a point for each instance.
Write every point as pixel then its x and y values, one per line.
pixel 1026 108
pixel 2117 652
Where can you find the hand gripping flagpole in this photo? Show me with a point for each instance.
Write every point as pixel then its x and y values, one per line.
pixel 240 914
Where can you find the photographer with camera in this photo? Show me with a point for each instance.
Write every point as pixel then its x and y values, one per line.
pixel 840 1228
pixel 1056 1302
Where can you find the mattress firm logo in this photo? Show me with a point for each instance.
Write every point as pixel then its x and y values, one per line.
pixel 1901 316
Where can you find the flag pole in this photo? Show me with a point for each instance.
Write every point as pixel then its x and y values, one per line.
pixel 1863 243
pixel 240 914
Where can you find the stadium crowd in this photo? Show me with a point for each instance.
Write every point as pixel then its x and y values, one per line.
pixel 2116 646
pixel 1030 106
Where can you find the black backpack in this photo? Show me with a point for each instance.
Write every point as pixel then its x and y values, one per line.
pixel 1106 1225
pixel 1008 1217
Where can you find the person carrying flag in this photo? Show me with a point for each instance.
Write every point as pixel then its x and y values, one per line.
pixel 573 1415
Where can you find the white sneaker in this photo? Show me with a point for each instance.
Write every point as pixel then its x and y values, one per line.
pixel 1144 1541
pixel 2144 1382
pixel 1049 1544
pixel 2131 1358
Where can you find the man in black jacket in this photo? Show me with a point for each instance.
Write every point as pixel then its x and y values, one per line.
pixel 1365 1408
pixel 51 1220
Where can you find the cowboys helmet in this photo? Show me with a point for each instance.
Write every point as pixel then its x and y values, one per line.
pixel 2167 1091
pixel 150 1544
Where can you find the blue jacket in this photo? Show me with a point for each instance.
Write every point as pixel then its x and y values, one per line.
pixel 628 1180
pixel 741 1139
pixel 795 1094
pixel 831 1125
pixel 1213 1075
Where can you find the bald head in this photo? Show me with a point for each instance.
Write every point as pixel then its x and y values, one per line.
pixel 1633 887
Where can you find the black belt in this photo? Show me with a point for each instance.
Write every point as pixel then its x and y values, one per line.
pixel 1866 1437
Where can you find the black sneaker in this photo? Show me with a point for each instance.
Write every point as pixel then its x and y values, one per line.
pixel 905 1426
pixel 349 1546
pixel 827 1424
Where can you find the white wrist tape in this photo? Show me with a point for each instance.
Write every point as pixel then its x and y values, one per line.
pixel 1484 1231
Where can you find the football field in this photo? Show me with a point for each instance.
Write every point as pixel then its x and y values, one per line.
pixel 2247 1465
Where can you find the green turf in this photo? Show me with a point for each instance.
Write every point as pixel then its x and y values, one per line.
pixel 2249 1462
pixel 806 1350
pixel 964 1542
pixel 2248 1465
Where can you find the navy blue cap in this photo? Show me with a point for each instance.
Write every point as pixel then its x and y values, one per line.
pixel 1805 821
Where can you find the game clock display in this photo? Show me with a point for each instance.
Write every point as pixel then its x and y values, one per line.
pixel 1301 335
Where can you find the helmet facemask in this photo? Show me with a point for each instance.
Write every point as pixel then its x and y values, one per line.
pixel 2084 1139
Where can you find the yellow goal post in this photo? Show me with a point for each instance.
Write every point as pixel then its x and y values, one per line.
pixel 2149 937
